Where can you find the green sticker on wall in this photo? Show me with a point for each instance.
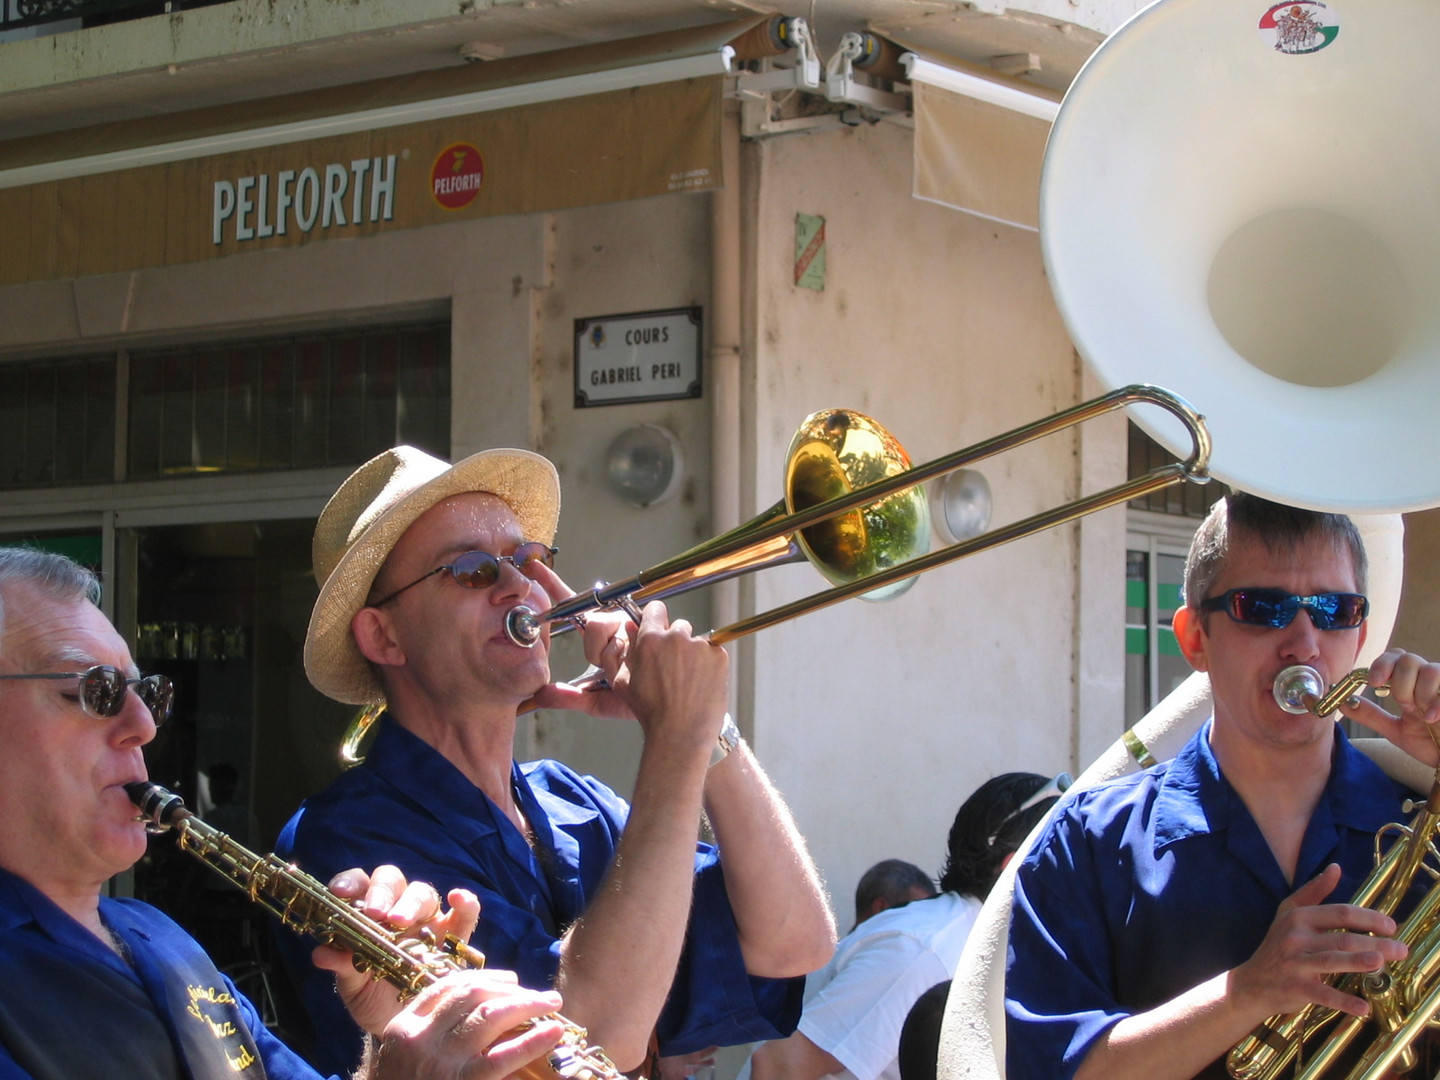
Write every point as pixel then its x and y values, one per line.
pixel 810 251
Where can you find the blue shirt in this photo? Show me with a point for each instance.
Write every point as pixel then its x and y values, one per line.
pixel 71 1009
pixel 1144 887
pixel 407 805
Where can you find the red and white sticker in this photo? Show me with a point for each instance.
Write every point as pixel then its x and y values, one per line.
pixel 1298 27
pixel 457 175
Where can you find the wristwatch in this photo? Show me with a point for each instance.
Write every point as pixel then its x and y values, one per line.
pixel 726 741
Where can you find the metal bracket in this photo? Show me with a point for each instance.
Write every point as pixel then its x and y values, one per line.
pixel 841 86
pixel 756 90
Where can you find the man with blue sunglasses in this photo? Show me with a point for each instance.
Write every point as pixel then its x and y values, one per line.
pixel 1164 915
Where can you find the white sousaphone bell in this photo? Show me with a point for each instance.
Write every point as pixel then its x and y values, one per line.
pixel 1241 203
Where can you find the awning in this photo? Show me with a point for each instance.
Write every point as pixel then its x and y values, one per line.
pixel 575 127
pixel 979 138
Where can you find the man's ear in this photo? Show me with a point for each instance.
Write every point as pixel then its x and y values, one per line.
pixel 1190 635
pixel 373 637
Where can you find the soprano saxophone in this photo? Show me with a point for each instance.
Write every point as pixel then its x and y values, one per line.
pixel 305 905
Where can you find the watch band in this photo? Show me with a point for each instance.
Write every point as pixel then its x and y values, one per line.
pixel 726 741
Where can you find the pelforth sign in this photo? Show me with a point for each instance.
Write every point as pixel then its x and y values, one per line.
pixel 646 356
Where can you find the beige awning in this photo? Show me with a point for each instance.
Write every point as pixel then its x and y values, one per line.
pixel 575 127
pixel 979 138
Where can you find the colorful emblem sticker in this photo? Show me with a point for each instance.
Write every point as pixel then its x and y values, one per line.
pixel 456 176
pixel 1299 26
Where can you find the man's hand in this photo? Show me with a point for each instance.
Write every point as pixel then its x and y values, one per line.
pixel 674 682
pixel 1415 688
pixel 387 897
pixel 1308 941
pixel 477 1024
pixel 602 630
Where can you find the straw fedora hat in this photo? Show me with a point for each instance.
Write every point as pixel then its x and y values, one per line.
pixel 368 514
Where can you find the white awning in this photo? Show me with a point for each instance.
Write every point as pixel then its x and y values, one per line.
pixel 979 139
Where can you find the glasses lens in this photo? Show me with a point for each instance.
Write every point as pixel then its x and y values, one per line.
pixel 158 694
pixel 532 552
pixel 1338 611
pixel 1263 607
pixel 476 569
pixel 102 691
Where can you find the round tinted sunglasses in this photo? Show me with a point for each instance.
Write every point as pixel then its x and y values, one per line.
pixel 1277 608
pixel 480 569
pixel 102 691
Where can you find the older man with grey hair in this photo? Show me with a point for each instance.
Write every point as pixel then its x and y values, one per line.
pixel 97 987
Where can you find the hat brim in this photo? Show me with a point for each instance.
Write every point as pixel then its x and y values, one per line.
pixel 526 482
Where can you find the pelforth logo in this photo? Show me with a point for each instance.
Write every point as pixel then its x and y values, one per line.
pixel 1299 26
pixel 456 176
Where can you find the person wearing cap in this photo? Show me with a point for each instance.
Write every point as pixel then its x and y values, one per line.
pixel 1162 916
pixel 97 986
pixel 419 564
pixel 856 1005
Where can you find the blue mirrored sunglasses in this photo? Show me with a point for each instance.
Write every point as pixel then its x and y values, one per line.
pixel 102 691
pixel 1277 608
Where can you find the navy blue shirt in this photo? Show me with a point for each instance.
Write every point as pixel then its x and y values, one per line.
pixel 71 1009
pixel 1144 887
pixel 408 806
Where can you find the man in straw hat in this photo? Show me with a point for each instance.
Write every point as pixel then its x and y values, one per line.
pixel 1162 916
pixel 419 563
pixel 97 987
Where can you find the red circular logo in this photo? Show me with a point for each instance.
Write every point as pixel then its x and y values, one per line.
pixel 456 176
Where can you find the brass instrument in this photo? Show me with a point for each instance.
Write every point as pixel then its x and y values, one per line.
pixel 1404 997
pixel 305 905
pixel 853 508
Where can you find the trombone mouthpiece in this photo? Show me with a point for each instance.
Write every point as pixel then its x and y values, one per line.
pixel 1298 688
pixel 522 626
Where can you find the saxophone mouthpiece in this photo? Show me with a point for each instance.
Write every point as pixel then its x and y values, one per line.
pixel 159 806
pixel 522 626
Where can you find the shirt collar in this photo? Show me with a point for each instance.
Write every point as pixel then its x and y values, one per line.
pixel 1196 799
pixel 422 773
pixel 22 904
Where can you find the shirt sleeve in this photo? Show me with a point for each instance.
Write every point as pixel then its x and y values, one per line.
pixel 857 1016
pixel 8 1069
pixel 280 1062
pixel 1058 982
pixel 714 1001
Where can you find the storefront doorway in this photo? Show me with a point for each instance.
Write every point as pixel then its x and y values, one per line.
pixel 221 608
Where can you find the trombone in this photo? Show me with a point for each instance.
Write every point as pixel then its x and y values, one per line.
pixel 854 508
pixel 850 525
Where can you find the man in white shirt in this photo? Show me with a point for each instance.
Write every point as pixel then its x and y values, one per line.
pixel 856 1004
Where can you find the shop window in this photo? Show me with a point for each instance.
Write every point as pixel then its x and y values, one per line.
pixel 1160 527
pixel 57 422
pixel 302 402
pixel 1154 570
pixel 293 403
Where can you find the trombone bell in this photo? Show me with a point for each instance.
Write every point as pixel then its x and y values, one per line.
pixel 838 451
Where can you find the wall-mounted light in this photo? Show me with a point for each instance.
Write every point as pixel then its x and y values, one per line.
pixel 645 465
pixel 960 505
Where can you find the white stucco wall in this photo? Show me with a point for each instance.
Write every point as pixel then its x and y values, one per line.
pixel 878 720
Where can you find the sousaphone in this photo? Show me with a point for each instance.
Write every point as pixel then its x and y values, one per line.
pixel 1241 202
